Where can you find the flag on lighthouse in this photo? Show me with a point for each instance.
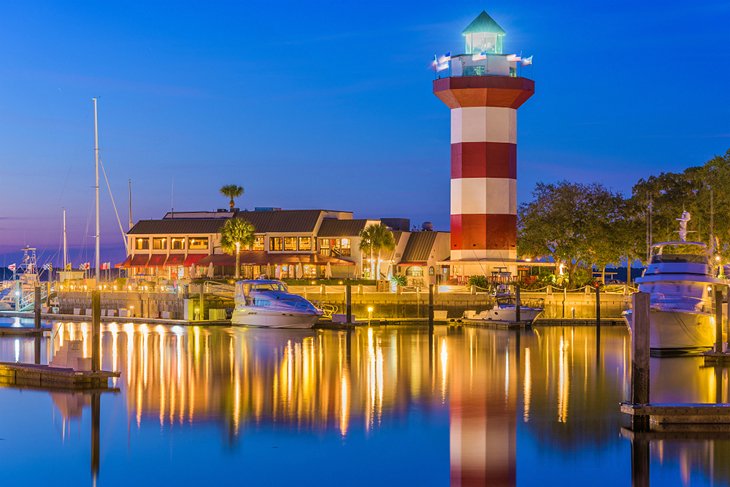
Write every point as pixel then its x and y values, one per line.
pixel 12 267
pixel 85 266
pixel 105 266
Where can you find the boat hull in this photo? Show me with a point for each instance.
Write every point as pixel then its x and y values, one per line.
pixel 507 315
pixel 678 332
pixel 263 318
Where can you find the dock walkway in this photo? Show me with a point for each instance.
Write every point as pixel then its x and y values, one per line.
pixel 47 377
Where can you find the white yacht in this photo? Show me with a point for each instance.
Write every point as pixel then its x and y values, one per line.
pixel 679 280
pixel 268 303
pixel 505 311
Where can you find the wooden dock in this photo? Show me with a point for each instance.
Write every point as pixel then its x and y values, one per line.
pixel 685 413
pixel 47 377
pixel 23 331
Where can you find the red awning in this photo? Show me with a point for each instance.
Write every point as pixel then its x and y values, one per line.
pixel 157 260
pixel 126 262
pixel 193 259
pixel 139 260
pixel 175 260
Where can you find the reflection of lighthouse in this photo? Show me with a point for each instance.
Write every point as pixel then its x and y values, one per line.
pixel 483 410
pixel 483 91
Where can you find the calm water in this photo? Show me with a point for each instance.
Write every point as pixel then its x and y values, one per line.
pixel 379 406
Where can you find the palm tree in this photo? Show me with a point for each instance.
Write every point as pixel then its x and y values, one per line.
pixel 236 233
pixel 232 191
pixel 373 240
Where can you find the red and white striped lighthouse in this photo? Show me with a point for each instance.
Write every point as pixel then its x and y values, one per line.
pixel 483 91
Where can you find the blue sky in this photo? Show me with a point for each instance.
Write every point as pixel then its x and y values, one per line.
pixel 329 104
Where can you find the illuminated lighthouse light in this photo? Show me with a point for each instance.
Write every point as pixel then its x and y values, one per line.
pixel 483 90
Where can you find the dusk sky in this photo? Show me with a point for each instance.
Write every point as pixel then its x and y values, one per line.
pixel 329 104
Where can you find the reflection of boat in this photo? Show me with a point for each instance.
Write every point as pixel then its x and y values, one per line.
pixel 505 311
pixel 268 303
pixel 679 280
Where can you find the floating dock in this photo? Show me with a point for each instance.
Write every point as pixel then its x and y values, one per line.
pixel 674 414
pixel 46 377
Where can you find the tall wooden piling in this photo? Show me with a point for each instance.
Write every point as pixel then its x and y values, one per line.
pixel 598 307
pixel 201 315
pixel 718 318
pixel 518 304
pixel 37 306
pixel 430 305
pixel 95 423
pixel 95 330
pixel 348 303
pixel 640 358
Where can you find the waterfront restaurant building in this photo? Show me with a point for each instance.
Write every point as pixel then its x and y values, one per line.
pixel 288 244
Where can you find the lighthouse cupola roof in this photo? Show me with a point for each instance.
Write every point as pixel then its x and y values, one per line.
pixel 483 35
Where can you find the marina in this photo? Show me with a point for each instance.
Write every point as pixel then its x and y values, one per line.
pixel 286 245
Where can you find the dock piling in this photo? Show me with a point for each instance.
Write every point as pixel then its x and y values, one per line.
pixel 37 307
pixel 640 359
pixel 430 305
pixel 598 307
pixel 518 304
pixel 95 329
pixel 348 303
pixel 718 319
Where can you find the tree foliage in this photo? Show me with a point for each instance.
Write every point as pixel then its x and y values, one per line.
pixel 231 191
pixel 235 231
pixel 373 240
pixel 577 225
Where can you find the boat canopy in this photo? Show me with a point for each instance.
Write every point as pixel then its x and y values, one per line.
pixel 250 285
pixel 679 252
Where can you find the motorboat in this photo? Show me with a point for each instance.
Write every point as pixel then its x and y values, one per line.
pixel 679 280
pixel 268 303
pixel 505 311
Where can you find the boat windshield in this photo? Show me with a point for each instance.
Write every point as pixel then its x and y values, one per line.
pixel 269 286
pixel 680 253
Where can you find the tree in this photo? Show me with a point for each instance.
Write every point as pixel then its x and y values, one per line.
pixel 237 233
pixel 578 225
pixel 373 240
pixel 231 191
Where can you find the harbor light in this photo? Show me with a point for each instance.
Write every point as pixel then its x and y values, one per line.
pixel 370 314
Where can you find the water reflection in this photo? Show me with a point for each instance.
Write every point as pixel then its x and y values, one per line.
pixel 552 392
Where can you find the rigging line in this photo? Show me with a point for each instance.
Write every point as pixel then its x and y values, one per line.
pixel 114 205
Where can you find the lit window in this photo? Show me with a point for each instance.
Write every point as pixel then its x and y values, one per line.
pixel 177 243
pixel 142 243
pixel 305 243
pixel 275 244
pixel 258 243
pixel 197 243
pixel 414 271
pixel 290 243
pixel 159 243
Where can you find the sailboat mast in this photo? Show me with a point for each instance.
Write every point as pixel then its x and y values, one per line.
pixel 65 246
pixel 96 188
pixel 130 205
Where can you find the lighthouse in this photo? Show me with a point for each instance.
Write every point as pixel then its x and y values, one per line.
pixel 483 90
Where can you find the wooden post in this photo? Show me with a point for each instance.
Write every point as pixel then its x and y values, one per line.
pixel 640 358
pixel 639 462
pixel 726 292
pixel 348 303
pixel 95 329
pixel 430 305
pixel 565 298
pixel 95 421
pixel 718 318
pixel 518 304
pixel 201 316
pixel 37 307
pixel 598 307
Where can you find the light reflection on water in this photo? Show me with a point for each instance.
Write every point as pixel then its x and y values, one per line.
pixel 460 406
